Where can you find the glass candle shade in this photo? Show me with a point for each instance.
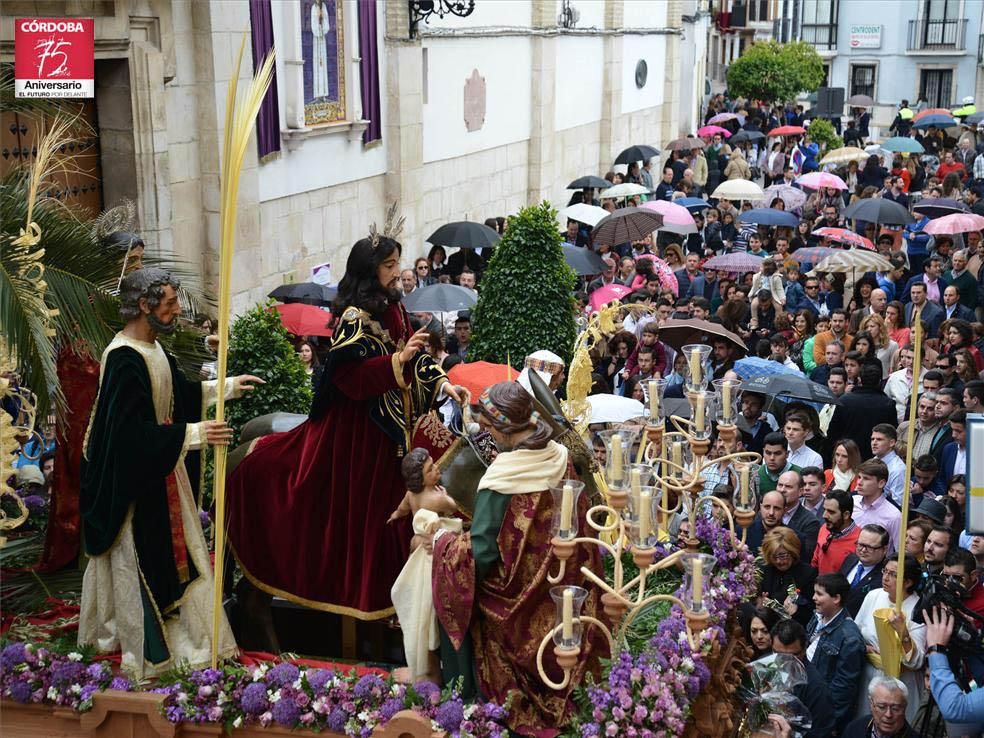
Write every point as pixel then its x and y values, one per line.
pixel 697 570
pixel 676 449
pixel 565 517
pixel 654 389
pixel 701 414
pixel 644 518
pixel 569 600
pixel 745 496
pixel 696 376
pixel 726 412
pixel 619 446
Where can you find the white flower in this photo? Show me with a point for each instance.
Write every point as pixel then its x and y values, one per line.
pixel 257 675
pixel 76 689
pixel 275 696
pixel 237 722
pixel 182 697
pixel 74 656
pixel 364 716
pixel 469 711
pixel 395 690
pixel 222 698
pixel 298 683
pixel 52 693
pixel 687 663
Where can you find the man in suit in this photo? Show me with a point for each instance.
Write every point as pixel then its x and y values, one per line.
pixel 932 314
pixel 954 458
pixel 876 306
pixel 705 285
pixel 795 516
pixel 863 568
pixel 932 277
pixel 860 411
pixel 688 274
pixel 607 276
pixel 952 307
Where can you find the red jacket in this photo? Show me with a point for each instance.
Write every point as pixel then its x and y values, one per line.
pixel 829 561
pixel 945 169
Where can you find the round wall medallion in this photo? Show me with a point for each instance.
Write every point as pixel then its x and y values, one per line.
pixel 641 73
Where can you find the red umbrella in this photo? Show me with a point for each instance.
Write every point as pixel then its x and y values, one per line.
pixel 478 376
pixel 787 131
pixel 931 111
pixel 304 320
pixel 845 236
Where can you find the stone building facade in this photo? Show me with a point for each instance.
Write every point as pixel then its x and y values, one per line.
pixel 556 102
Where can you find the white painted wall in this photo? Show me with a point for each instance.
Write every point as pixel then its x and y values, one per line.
pixel 505 64
pixel 578 81
pixel 653 50
pixel 508 13
pixel 324 161
pixel 645 13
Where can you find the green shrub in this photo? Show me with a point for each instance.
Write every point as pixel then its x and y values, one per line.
pixel 822 131
pixel 525 301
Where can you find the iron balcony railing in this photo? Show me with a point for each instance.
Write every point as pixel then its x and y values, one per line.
pixel 929 34
pixel 822 36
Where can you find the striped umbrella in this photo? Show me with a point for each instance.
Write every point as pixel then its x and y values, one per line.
pixel 854 260
pixel 739 262
pixel 846 237
pixel 626 225
pixel 844 155
pixel 813 255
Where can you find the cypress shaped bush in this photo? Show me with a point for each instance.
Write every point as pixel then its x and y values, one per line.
pixel 525 300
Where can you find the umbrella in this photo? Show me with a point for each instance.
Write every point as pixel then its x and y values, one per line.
pixel 636 153
pixel 749 136
pixel 812 255
pixel 931 111
pixel 614 408
pixel 818 180
pixel 845 236
pixel 769 216
pixel 440 298
pixel 608 293
pixel 844 155
pixel 903 144
pixel 753 366
pixel 663 271
pixel 626 189
pixel 790 385
pixel 936 121
pixel 787 131
pixel 860 101
pixel 582 260
pixel 309 293
pixel 678 333
pixel 676 218
pixel 955 223
pixel 792 196
pixel 937 207
pixel 685 144
pixel 465 235
pixel 595 183
pixel 851 260
pixel 626 225
pixel 304 320
pixel 584 213
pixel 712 130
pixel 693 204
pixel 478 376
pixel 722 118
pixel 878 210
pixel 975 119
pixel 738 262
pixel 738 189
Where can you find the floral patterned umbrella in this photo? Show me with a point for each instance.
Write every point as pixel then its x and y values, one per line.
pixel 667 279
pixel 792 196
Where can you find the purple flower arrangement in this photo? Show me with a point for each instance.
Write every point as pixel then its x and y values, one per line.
pixel 649 694
pixel 281 694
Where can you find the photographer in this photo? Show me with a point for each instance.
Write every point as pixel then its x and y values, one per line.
pixel 956 706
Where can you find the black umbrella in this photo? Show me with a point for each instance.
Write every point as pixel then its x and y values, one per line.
pixel 791 385
pixel 465 234
pixel 583 261
pixel 973 120
pixel 878 210
pixel 440 298
pixel 595 183
pixel 637 153
pixel 750 136
pixel 937 207
pixel 308 293
pixel 626 225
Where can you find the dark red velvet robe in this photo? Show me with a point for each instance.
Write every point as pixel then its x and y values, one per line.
pixel 307 509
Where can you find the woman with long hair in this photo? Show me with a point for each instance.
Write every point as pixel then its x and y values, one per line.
pixel 959 336
pixel 756 625
pixel 437 257
pixel 885 348
pixel 491 585
pixel 620 347
pixel 312 365
pixel 895 323
pixel 302 502
pixel 843 472
pixel 803 236
pixel 952 186
pixel 966 370
pixel 802 332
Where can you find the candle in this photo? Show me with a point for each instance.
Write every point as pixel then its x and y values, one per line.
pixel 698 584
pixel 743 474
pixel 566 508
pixel 678 456
pixel 661 516
pixel 726 401
pixel 617 457
pixel 695 374
pixel 699 413
pixel 645 511
pixel 653 400
pixel 568 627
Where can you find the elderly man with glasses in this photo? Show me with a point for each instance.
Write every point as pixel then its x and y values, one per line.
pixel 888 699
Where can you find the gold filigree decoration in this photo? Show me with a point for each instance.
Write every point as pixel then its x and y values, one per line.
pixel 11 433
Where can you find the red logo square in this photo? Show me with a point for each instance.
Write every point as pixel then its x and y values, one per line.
pixel 54 57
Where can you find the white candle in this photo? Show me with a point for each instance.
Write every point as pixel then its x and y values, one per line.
pixel 568 627
pixel 743 474
pixel 617 457
pixel 726 400
pixel 566 508
pixel 695 372
pixel 698 584
pixel 636 483
pixel 678 456
pixel 645 511
pixel 699 413
pixel 653 400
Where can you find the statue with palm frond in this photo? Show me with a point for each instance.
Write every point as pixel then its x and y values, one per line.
pixel 148 586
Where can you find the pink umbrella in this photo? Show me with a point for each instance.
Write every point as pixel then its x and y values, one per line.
pixel 664 272
pixel 604 295
pixel 955 223
pixel 712 130
pixel 676 218
pixel 722 118
pixel 846 237
pixel 819 180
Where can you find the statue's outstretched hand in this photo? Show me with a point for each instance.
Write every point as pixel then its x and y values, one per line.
pixel 457 393
pixel 248 382
pixel 417 341
pixel 217 432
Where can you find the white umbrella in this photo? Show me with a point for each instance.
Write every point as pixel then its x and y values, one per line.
pixel 583 213
pixel 853 260
pixel 738 189
pixel 614 409
pixel 626 189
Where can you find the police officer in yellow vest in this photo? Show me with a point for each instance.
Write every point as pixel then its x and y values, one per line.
pixel 903 120
pixel 967 108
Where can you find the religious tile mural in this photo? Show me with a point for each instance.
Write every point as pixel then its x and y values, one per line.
pixel 323 51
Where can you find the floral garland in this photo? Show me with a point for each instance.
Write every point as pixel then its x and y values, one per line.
pixel 649 694
pixel 281 694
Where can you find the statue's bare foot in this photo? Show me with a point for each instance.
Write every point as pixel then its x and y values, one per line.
pixel 403 675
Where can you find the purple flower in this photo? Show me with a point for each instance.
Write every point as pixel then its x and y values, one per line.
pixel 318 678
pixel 389 708
pixel 429 692
pixel 254 700
pixel 337 719
pixel 282 674
pixel 368 686
pixel 34 503
pixel 286 712
pixel 66 673
pixel 20 692
pixel 204 518
pixel 121 683
pixel 12 655
pixel 95 671
pixel 449 715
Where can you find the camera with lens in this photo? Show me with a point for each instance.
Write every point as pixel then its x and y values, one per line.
pixel 946 592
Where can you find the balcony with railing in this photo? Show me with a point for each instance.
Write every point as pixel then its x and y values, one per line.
pixel 938 34
pixel 822 36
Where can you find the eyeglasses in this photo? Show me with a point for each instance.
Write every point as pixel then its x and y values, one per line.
pixel 422 268
pixel 812 287
pixel 886 707
pixel 866 547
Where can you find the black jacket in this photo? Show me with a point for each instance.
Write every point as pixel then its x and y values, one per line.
pixel 816 699
pixel 861 728
pixel 807 527
pixel 859 411
pixel 871 581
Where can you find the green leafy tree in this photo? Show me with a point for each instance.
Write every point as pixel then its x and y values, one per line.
pixel 525 303
pixel 775 72
pixel 822 131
